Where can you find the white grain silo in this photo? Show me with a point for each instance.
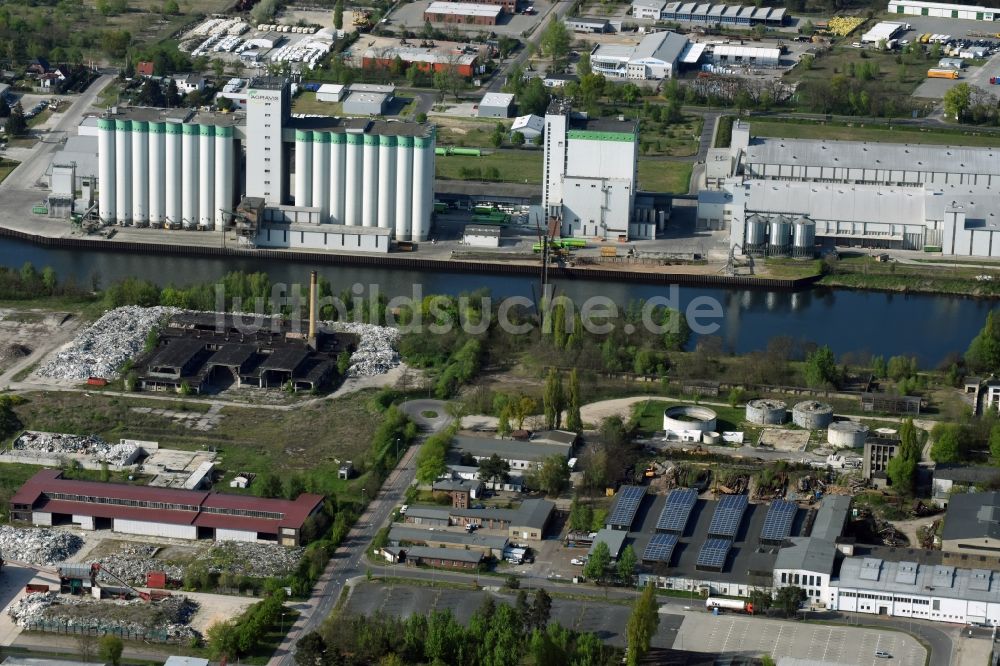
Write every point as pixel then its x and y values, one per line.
pixel 423 182
pixel 352 180
pixel 224 173
pixel 303 168
pixel 140 173
pixel 157 164
pixel 338 158
pixel 321 175
pixel 387 182
pixel 206 180
pixel 172 167
pixel 106 169
pixel 189 177
pixel 123 171
pixel 404 187
pixel 847 434
pixel 369 200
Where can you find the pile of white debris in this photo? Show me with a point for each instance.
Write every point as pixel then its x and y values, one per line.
pixel 37 546
pixel 376 353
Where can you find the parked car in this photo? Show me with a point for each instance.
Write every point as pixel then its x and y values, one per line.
pixel 402 509
pixel 882 654
pixel 576 561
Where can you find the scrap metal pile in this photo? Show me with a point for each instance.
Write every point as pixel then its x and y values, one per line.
pixel 376 353
pixel 257 560
pixel 45 444
pixel 165 620
pixel 37 546
pixel 101 349
pixel 132 563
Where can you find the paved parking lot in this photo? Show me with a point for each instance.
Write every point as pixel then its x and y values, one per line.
pixel 607 620
pixel 704 632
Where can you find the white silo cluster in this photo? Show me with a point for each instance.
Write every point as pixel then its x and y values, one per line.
pixel 164 173
pixel 307 51
pixel 367 179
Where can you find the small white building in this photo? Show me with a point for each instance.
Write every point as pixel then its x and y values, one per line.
pixel 654 58
pixel 331 92
pixel 496 105
pixel 188 83
pixel 749 56
pixel 480 235
pixel 648 9
pixel 531 126
pixel 943 10
pixel 325 237
pixel 883 30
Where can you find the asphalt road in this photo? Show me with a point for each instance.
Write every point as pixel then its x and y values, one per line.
pixel 559 10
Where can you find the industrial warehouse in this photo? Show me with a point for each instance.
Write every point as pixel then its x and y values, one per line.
pixel 318 182
pixel 48 499
pixel 782 197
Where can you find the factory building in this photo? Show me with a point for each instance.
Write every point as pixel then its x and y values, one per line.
pixel 943 10
pixel 589 175
pixel 463 12
pixel 48 499
pixel 782 197
pixel 462 58
pixel 654 58
pixel 323 183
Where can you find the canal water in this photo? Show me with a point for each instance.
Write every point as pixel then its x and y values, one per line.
pixel 929 327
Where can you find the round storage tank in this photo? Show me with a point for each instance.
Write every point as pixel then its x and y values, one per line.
pixel 711 438
pixel 812 415
pixel 780 239
pixel 756 237
pixel 847 434
pixel 688 417
pixel 766 412
pixel 804 238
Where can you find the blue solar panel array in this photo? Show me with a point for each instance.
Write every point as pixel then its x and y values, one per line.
pixel 626 504
pixel 713 554
pixel 660 548
pixel 727 516
pixel 674 516
pixel 778 524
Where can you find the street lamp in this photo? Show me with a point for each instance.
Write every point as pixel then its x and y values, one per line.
pixel 397 449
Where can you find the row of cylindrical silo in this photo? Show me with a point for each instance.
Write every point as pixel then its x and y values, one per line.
pixel 165 173
pixel 779 236
pixel 367 180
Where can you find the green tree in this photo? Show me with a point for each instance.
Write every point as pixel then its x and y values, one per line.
pixel 517 139
pixel 574 421
pixel 522 408
pixel 552 399
pixel 294 487
pixel 553 476
pixel 821 368
pixel 110 649
pixel 995 442
pixel 581 516
pixel 789 599
pixel 4 108
pixel 271 486
pixel 642 624
pixel 957 101
pixel 879 368
pixel 338 15
pixel 170 8
pixel 494 470
pixel 807 28
pixel 223 640
pixel 503 422
pixel 761 600
pixel 626 563
pixel 598 561
pixel 555 43
pixel 983 354
pixel 949 444
pixel 541 609
pixel 583 67
pixel 16 124
pixel 902 472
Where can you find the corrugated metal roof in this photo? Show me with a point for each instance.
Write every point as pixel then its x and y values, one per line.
pixel 929 580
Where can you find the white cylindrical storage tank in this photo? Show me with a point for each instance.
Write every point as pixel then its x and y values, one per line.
pixel 387 182
pixel 224 166
pixel 123 171
pixel 812 415
pixel 423 183
pixel 369 186
pixel 303 167
pixel 321 175
pixel 338 157
pixel 847 434
pixel 106 170
pixel 404 188
pixel 172 167
pixel 352 180
pixel 140 173
pixel 711 437
pixel 206 182
pixel 157 184
pixel 688 417
pixel 189 177
pixel 766 412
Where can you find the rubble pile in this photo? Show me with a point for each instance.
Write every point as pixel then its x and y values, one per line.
pixel 103 348
pixel 14 352
pixel 376 353
pixel 50 443
pixel 132 563
pixel 257 560
pixel 167 619
pixel 37 546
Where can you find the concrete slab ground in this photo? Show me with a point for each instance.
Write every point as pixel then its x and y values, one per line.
pixel 780 439
pixel 704 632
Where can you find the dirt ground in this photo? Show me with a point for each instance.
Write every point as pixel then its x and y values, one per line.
pixel 216 608
pixel 27 333
pixel 784 440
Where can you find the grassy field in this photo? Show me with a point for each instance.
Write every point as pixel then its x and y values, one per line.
pixel 6 166
pixel 649 416
pixel 307 103
pixel 858 132
pixel 306 441
pixel 513 166
pixel 863 272
pixel 465 132
pixel 677 140
pixel 661 176
pixel 895 78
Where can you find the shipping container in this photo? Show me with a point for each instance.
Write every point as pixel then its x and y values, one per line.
pixel 942 73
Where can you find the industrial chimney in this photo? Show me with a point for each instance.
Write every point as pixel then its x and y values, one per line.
pixel 312 309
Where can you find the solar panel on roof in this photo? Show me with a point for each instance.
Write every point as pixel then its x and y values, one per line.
pixel 713 554
pixel 660 548
pixel 778 523
pixel 727 516
pixel 626 504
pixel 677 510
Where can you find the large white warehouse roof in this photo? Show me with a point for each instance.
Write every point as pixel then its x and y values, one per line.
pixel 935 580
